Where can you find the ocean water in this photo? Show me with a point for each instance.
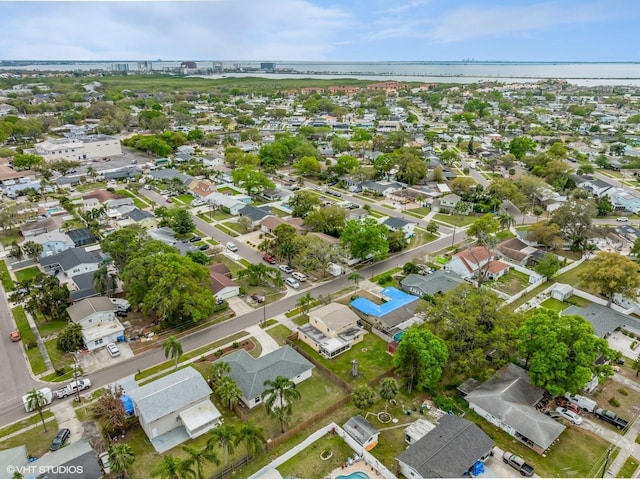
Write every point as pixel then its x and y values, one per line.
pixel 590 74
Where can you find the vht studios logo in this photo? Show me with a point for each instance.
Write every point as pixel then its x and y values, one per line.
pixel 31 470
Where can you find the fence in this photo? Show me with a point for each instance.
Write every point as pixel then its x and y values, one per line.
pixel 375 381
pixel 321 369
pixel 229 470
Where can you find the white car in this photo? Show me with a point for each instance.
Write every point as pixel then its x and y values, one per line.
pixel 113 350
pixel 569 415
pixel 285 269
pixel 147 187
pixel 292 283
pixel 299 276
pixel 232 246
pixel 622 219
pixel 197 203
pixel 105 462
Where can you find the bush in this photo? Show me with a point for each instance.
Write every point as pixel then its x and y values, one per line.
pixel 31 344
pixel 235 345
pixel 60 371
pixel 634 344
pixel 614 402
pixel 444 402
pixel 219 352
pixel 387 278
pixel 623 391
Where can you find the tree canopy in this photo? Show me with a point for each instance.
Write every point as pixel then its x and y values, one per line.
pixel 612 273
pixel 421 357
pixel 365 239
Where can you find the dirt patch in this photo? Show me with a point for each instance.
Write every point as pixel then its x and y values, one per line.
pixel 627 398
pixel 247 344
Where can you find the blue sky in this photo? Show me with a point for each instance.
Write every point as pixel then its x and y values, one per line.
pixel 316 30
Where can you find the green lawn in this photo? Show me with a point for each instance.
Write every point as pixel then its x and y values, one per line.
pixel 456 220
pixel 226 230
pixel 629 467
pixel 34 419
pixel 422 237
pixel 511 283
pixel 5 277
pixel 8 236
pixel 27 273
pixel 186 199
pixel 59 359
pixel 392 271
pixel 279 333
pixel 308 464
pixel 419 212
pixel 376 214
pixel 47 328
pixel 36 439
pixel 554 305
pixel 237 227
pixel 137 201
pixel 230 191
pixel 572 276
pixel 371 355
pixel 217 215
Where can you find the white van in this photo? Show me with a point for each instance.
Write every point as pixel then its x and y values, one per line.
pixel 299 276
pixel 232 246
pixel 292 283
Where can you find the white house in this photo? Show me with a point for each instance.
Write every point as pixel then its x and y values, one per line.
pixel 175 408
pixel 400 224
pixel 71 262
pixel 53 243
pixel 469 262
pixel 99 323
pixel 250 373
pixel 76 149
pixel 226 202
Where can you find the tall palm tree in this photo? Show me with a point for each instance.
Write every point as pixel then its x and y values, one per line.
pixel 278 395
pixel 122 457
pixel 388 390
pixel 506 221
pixel 32 249
pixel 228 391
pixel 224 437
pixel 197 459
pixel 304 303
pixel 16 251
pixel 355 277
pixel 253 438
pixel 101 280
pixel 173 349
pixel 219 369
pixel 36 402
pixel 170 468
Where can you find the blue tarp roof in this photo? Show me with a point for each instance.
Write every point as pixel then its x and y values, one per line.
pixel 127 403
pixel 397 299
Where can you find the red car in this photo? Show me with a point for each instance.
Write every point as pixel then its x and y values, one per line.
pixel 269 259
pixel 15 336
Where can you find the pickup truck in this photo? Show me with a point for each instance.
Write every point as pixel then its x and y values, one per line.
pixel 517 463
pixel 72 387
pixel 610 417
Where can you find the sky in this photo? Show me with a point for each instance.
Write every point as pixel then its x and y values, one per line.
pixel 322 30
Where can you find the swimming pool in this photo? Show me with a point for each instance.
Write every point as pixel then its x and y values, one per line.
pixel 354 475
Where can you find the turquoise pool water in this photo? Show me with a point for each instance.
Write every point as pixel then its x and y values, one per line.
pixel 354 475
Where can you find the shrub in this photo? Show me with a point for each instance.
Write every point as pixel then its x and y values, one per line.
pixel 444 402
pixel 387 278
pixel 60 371
pixel 623 391
pixel 235 345
pixel 614 402
pixel 634 344
pixel 219 352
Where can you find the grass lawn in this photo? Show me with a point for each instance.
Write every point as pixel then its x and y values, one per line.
pixel 457 220
pixel 217 215
pixel 628 402
pixel 58 358
pixel 27 273
pixel 376 214
pixel 226 230
pixel 503 235
pixel 629 467
pixel 232 265
pixel 371 354
pixel 36 440
pixel 419 212
pixel 511 283
pixel 231 191
pixel 279 333
pixel 137 201
pixel 23 325
pixel 308 464
pixel 186 199
pixel 422 237
pixel 364 198
pixel 34 419
pixel 46 328
pixel 554 305
pixel 237 227
pixel 8 236
pixel 5 277
pixel 392 271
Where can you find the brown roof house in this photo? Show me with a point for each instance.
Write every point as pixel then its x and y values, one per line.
pixel 470 263
pixel 222 285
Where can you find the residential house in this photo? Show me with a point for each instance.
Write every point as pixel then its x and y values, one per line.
pixel 604 320
pixel 97 198
pixel 222 286
pixel 81 287
pixel 168 236
pixel 254 214
pixel 508 401
pixel 168 174
pixel 439 282
pixel 175 408
pixel 396 308
pixel 269 223
pixel 624 199
pixel 142 218
pixel 357 214
pixel 71 262
pixel 400 224
pixel 593 185
pixel 518 252
pixel 449 202
pixel 202 188
pixel 228 203
pixel 271 195
pixel 220 268
pixel 96 316
pixel 332 330
pixel 382 188
pixel 53 243
pixel 362 431
pixel 67 462
pixel 250 373
pixel 82 237
pixel 477 260
pixel 49 225
pixel 449 450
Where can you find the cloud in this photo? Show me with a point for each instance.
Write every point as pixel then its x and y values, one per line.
pixel 225 30
pixel 402 8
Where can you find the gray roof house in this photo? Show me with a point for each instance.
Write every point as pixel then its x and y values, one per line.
pixel 439 282
pixel 99 324
pixel 449 450
pixel 400 224
pixel 362 431
pixel 67 461
pixel 507 401
pixel 15 457
pixel 72 262
pixel 250 373
pixel 175 408
pixel 254 214
pixel 604 320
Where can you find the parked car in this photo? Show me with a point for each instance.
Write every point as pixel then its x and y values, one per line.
pixel 554 415
pixel 569 415
pixel 121 313
pixel 292 283
pixel 517 463
pixel 269 259
pixel 105 462
pixel 285 269
pixel 299 276
pixel 169 200
pixel 203 247
pixel 622 219
pixel 60 439
pixel 257 298
pixel 232 246
pixel 14 336
pixel 165 192
pixel 113 350
pixel 194 239
pixel 147 187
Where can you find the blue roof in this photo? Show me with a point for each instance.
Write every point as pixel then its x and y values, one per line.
pixel 397 299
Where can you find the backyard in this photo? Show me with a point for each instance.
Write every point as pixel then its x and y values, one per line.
pixel 455 220
pixel 308 463
pixel 511 283
pixel 26 273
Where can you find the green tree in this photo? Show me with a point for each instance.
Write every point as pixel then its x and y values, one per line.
pixel 23 161
pixel 545 233
pixel 197 458
pixel 635 248
pixel 172 349
pixel 388 390
pixel 561 353
pixel 223 436
pixel 548 266
pixel 228 391
pixel 365 239
pixel 574 219
pixel 346 164
pixel 169 468
pixel 307 166
pixel 123 243
pixel 363 397
pixel 330 220
pixel 413 172
pixel 219 369
pixel 636 365
pixel 604 206
pixel 304 303
pixel 122 458
pixel 70 338
pixel 355 277
pixel 302 202
pixel 252 436
pixel 181 221
pixel 396 241
pixel 611 273
pixel 36 402
pixel 260 274
pixel 420 358
pixel 519 146
pixel 278 395
pixel 339 144
pixel 253 181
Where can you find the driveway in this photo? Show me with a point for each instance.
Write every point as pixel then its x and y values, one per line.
pixel 100 358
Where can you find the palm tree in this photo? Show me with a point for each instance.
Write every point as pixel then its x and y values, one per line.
pixel 228 391
pixel 197 459
pixel 121 456
pixel 170 468
pixel 355 277
pixel 506 221
pixel 219 369
pixel 253 438
pixel 16 251
pixel 36 402
pixel 279 394
pixel 32 249
pixel 282 414
pixel 304 303
pixel 388 390
pixel 223 436
pixel 173 349
pixel 100 280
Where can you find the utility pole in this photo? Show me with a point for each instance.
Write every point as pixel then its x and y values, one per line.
pixel 453 236
pixel 75 377
pixel 606 462
pixel 264 309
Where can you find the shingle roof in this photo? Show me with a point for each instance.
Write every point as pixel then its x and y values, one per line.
pixel 169 394
pixel 86 307
pixel 360 429
pixel 70 258
pixel 604 320
pixel 250 373
pixel 335 315
pixel 252 212
pixel 438 282
pixel 510 397
pixel 449 450
pixel 397 223
pixel 220 281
